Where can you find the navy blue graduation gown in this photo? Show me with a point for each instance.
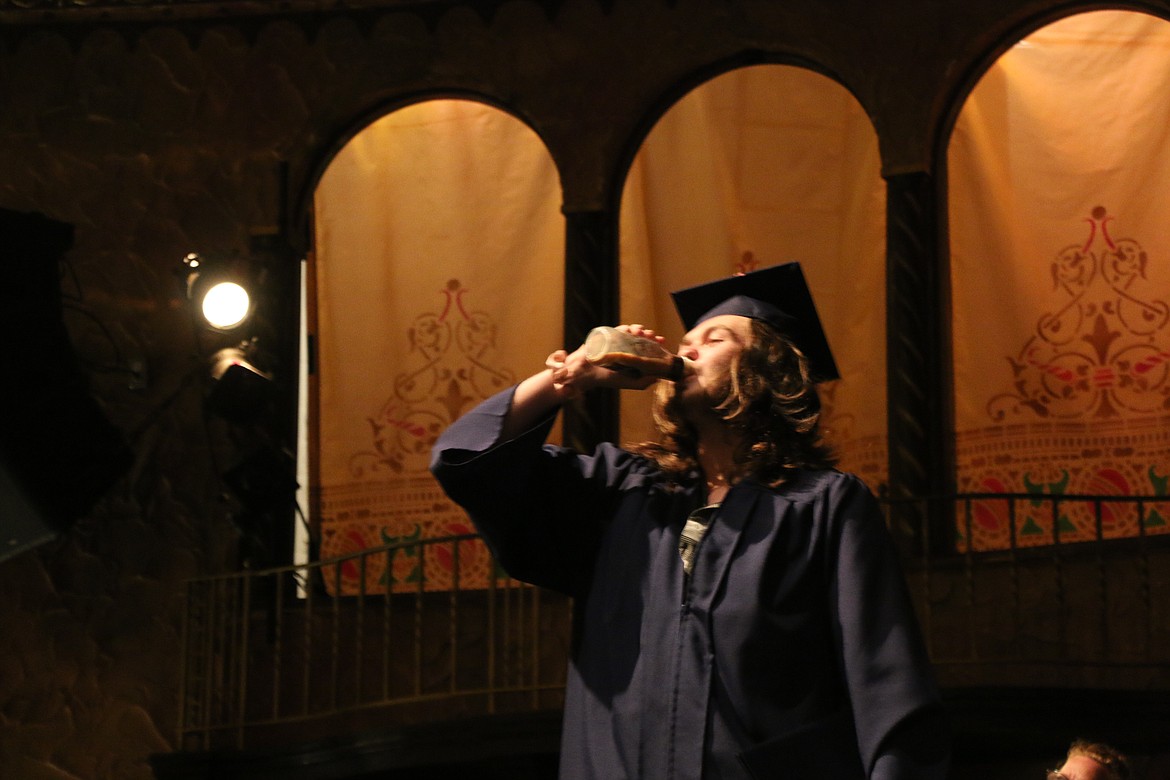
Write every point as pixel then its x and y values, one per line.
pixel 792 652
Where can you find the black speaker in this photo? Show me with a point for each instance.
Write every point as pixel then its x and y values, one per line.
pixel 58 452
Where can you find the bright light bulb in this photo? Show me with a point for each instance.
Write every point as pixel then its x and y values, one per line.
pixel 225 305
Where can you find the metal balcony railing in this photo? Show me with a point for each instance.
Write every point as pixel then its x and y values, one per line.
pixel 1069 590
pixel 317 641
pixel 322 643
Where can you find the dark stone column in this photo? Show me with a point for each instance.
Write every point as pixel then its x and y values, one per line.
pixel 918 362
pixel 591 299
pixel 263 430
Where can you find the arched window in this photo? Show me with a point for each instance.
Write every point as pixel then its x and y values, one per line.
pixel 439 272
pixel 760 166
pixel 1060 268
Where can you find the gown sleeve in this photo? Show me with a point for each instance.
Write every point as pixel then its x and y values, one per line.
pixel 901 731
pixel 541 509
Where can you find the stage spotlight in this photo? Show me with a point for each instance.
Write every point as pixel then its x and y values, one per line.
pixel 217 289
pixel 226 305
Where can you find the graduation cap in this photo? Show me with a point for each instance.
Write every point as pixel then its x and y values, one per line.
pixel 777 296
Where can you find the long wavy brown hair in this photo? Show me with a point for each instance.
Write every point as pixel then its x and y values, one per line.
pixel 771 400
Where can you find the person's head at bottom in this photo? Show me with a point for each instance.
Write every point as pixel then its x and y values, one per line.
pixel 1092 761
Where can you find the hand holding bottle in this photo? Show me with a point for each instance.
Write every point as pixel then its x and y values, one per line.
pixel 643 362
pixel 635 354
pixel 567 375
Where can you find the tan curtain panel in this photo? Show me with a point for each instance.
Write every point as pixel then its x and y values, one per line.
pixel 439 282
pixel 1059 171
pixel 761 166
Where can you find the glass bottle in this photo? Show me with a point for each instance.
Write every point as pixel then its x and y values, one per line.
pixel 633 356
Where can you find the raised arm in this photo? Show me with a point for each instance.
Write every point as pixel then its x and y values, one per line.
pixel 539 507
pixel 566 375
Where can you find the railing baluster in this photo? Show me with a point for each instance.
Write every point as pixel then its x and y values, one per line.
pixel 969 578
pixel 534 661
pixel 493 637
pixel 307 652
pixel 1103 585
pixel 209 678
pixel 1144 577
pixel 506 633
pixel 359 630
pixel 927 597
pixel 335 639
pixel 242 653
pixel 1017 597
pixel 278 639
pixel 387 602
pixel 185 661
pixel 453 620
pixel 418 618
pixel 1058 569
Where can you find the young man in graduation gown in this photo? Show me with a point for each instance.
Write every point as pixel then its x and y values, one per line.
pixel 741 609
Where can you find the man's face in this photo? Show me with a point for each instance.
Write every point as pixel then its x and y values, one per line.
pixel 713 346
pixel 1080 768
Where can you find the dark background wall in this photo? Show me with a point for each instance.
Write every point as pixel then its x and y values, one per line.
pixel 157 128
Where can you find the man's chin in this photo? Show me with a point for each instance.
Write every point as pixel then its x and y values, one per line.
pixel 696 403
